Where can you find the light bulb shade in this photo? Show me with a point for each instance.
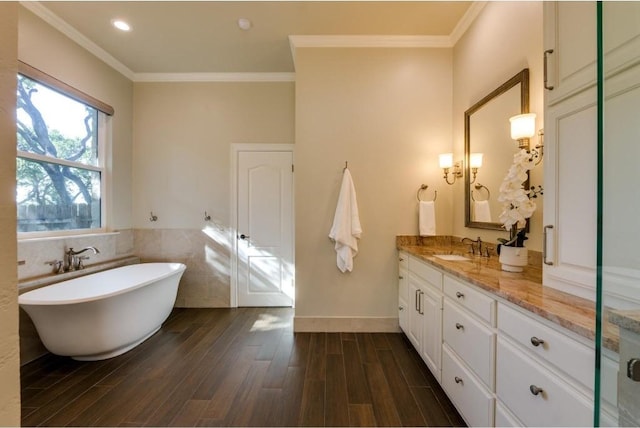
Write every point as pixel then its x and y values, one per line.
pixel 475 160
pixel 446 160
pixel 523 126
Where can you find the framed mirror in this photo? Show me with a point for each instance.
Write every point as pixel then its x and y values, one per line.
pixel 487 132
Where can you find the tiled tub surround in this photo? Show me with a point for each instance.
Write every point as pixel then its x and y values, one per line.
pixel 207 255
pixel 36 253
pixel 523 289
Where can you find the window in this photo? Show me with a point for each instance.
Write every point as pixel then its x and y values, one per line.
pixel 60 156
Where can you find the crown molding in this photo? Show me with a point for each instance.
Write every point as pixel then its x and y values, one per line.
pixel 295 42
pixel 56 22
pixel 465 22
pixel 214 77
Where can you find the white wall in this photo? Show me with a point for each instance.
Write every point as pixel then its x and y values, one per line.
pixel 9 355
pixel 388 113
pixel 505 38
pixel 182 159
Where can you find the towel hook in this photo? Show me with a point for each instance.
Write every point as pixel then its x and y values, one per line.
pixel 346 166
pixel 207 217
pixel 479 186
pixel 424 187
pixel 153 217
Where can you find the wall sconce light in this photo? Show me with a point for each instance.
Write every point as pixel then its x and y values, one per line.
pixel 523 127
pixel 475 162
pixel 446 163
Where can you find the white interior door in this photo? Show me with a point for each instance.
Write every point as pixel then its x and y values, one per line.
pixel 265 270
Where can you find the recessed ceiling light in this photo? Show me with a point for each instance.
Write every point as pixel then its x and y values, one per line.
pixel 121 25
pixel 244 24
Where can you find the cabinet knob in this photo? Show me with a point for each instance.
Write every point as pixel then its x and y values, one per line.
pixel 535 390
pixel 459 295
pixel 536 342
pixel 401 308
pixel 458 380
pixel 400 277
pixel 401 259
pixel 459 326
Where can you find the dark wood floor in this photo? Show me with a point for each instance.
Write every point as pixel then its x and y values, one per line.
pixel 240 367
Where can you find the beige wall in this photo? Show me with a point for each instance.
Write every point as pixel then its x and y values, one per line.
pixel 388 113
pixel 505 38
pixel 182 160
pixel 45 48
pixel 9 355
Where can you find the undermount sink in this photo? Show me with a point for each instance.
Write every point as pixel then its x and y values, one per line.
pixel 452 257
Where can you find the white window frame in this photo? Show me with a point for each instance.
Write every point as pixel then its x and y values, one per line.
pixel 104 144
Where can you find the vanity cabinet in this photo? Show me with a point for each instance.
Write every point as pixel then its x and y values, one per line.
pixel 500 364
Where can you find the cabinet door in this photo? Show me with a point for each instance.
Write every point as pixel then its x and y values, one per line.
pixel 432 330
pixel 570 31
pixel 570 181
pixel 415 314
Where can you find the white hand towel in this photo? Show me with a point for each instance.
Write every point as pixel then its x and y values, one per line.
pixel 482 211
pixel 427 218
pixel 346 227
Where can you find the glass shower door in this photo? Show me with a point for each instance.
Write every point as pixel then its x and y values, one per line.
pixel 618 298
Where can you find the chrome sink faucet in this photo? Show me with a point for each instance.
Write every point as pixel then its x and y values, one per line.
pixel 74 262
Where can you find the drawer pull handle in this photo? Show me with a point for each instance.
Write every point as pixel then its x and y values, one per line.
pixel 400 277
pixel 401 259
pixel 459 295
pixel 459 326
pixel 535 390
pixel 536 342
pixel 458 380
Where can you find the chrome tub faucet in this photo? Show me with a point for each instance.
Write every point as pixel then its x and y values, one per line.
pixel 74 262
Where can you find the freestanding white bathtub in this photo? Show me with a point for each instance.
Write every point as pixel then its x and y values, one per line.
pixel 104 314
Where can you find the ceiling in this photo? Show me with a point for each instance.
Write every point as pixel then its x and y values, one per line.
pixel 204 36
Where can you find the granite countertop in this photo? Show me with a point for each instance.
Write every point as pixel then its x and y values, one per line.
pixel 524 289
pixel 626 319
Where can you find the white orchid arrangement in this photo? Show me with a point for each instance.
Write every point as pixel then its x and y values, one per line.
pixel 517 207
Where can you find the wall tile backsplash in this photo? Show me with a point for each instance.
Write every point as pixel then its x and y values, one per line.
pixel 36 253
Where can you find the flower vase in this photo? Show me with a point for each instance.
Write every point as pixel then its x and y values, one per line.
pixel 513 259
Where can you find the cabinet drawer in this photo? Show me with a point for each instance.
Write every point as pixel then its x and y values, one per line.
pixel 426 272
pixel 566 353
pixel 473 300
pixel 504 418
pixel 557 405
pixel 471 398
pixel 472 341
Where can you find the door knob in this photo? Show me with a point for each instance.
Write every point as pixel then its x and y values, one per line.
pixel 243 236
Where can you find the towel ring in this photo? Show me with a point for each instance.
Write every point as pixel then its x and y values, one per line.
pixel 424 187
pixel 478 187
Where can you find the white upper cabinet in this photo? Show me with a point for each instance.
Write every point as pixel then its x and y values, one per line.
pixel 570 48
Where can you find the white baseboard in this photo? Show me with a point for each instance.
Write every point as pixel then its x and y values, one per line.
pixel 346 324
